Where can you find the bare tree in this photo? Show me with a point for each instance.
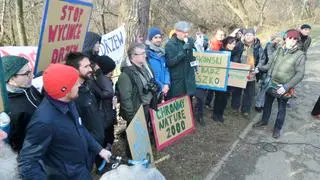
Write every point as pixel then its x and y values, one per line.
pixel 2 19
pixel 20 23
pixel 237 6
pixel 135 15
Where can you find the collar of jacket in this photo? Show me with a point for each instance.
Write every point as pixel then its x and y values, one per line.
pixel 84 86
pixel 61 106
pixel 291 51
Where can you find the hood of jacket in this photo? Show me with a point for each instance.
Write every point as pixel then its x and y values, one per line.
pixel 89 42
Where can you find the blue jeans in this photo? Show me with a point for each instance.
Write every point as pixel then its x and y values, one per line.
pixel 247 97
pixel 282 104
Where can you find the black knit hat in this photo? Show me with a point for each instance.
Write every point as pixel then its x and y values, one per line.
pixel 305 26
pixel 105 63
pixel 12 65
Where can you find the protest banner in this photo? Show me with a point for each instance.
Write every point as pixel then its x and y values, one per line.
pixel 213 70
pixel 173 120
pixel 63 30
pixel 238 75
pixel 138 137
pixel 3 91
pixel 28 52
pixel 113 45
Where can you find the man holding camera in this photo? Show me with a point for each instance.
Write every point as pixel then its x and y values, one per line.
pixel 136 84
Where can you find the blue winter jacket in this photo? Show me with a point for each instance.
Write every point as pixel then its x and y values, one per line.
pixel 56 138
pixel 158 65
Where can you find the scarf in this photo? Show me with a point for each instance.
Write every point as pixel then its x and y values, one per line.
pixel 158 50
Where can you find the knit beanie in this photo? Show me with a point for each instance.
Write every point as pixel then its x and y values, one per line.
pixel 105 63
pixel 250 30
pixel 305 26
pixel 153 32
pixel 12 65
pixel 293 34
pixel 58 80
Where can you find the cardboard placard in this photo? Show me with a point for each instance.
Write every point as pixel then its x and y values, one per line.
pixel 238 75
pixel 173 120
pixel 113 45
pixel 213 70
pixel 138 137
pixel 63 30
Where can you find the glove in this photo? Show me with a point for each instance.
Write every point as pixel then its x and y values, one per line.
pixel 105 154
pixel 256 70
pixel 282 89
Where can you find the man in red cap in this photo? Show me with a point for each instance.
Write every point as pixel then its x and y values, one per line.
pixel 285 71
pixel 55 134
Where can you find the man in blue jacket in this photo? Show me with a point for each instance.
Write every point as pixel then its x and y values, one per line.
pixel 55 135
pixel 157 59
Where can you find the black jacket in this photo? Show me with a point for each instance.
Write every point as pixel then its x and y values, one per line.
pixel 93 118
pixel 56 136
pixel 21 107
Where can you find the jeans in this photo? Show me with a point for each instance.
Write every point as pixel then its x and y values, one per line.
pixel 220 103
pixel 209 97
pixel 260 97
pixel 247 98
pixel 282 103
pixel 199 106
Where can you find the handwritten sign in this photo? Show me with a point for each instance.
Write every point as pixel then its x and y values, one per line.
pixel 238 75
pixel 213 69
pixel 138 137
pixel 28 52
pixel 173 120
pixel 63 29
pixel 113 45
pixel 3 91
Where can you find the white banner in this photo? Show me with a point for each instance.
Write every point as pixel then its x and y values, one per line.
pixel 113 45
pixel 28 52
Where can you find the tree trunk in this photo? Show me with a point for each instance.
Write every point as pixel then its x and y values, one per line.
pixel 135 15
pixel 2 19
pixel 13 35
pixel 20 23
pixel 238 8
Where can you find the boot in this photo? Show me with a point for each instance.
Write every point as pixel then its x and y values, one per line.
pixel 260 124
pixel 199 119
pixel 276 133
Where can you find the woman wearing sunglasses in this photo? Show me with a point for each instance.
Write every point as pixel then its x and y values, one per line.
pixel 285 70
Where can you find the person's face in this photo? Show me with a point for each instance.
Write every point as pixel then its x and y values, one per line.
pixel 249 38
pixel 85 69
pixel 157 40
pixel 291 42
pixel 139 56
pixel 219 35
pixel 181 35
pixel 305 31
pixel 96 47
pixel 73 94
pixel 239 35
pixel 230 46
pixel 23 78
pixel 139 39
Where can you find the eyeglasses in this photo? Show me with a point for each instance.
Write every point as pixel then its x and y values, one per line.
pixel 294 38
pixel 143 53
pixel 27 73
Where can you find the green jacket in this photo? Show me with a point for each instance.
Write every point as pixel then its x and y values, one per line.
pixel 182 75
pixel 129 89
pixel 286 67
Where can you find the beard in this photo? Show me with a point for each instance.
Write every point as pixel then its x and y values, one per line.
pixel 87 76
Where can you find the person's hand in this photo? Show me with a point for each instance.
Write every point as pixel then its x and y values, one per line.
pixel 165 89
pixel 105 154
pixel 281 90
pixel 256 70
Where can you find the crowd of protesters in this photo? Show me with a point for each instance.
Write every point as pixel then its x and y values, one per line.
pixel 61 132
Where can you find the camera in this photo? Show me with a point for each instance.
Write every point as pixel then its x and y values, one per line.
pixel 151 86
